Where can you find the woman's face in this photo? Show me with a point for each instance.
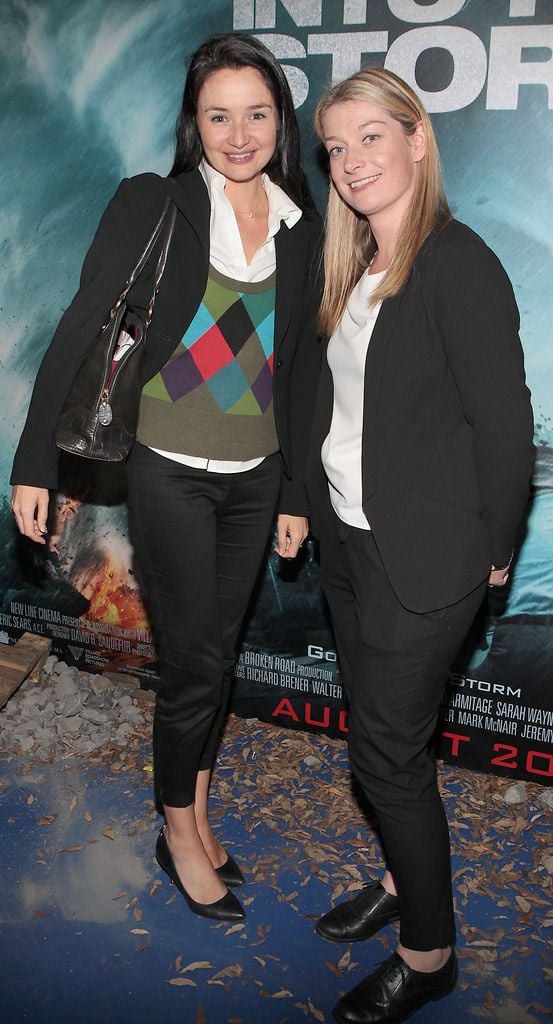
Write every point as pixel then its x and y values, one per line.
pixel 372 160
pixel 237 120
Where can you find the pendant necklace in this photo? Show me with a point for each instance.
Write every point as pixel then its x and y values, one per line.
pixel 248 213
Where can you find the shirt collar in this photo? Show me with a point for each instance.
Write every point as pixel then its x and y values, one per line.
pixel 281 207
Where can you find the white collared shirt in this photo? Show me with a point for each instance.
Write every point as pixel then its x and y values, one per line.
pixel 226 251
pixel 226 254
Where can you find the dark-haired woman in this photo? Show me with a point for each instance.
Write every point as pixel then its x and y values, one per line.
pixel 229 369
pixel 419 478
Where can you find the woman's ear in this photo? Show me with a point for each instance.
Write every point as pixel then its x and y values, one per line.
pixel 418 142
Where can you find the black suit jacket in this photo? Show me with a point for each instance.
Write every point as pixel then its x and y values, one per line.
pixel 447 449
pixel 123 231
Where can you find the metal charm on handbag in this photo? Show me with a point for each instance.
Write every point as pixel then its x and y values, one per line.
pixel 99 417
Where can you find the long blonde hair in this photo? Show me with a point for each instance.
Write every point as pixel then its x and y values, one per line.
pixel 349 245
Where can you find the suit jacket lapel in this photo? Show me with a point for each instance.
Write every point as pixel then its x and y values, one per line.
pixel 286 248
pixel 189 193
pixel 374 369
pixel 376 356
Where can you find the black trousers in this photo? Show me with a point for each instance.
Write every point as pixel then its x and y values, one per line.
pixel 395 665
pixel 199 539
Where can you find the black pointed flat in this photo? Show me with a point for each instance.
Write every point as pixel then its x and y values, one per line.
pixel 228 908
pixel 230 873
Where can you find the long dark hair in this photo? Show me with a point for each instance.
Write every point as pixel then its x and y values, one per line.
pixel 235 50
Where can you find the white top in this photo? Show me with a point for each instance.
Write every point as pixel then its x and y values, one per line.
pixel 347 354
pixel 226 254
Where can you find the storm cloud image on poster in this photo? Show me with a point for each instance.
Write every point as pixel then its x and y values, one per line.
pixel 90 94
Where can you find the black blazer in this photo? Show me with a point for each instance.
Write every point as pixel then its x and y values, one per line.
pixel 122 233
pixel 447 449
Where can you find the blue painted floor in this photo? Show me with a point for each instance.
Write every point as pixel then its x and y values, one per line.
pixel 93 932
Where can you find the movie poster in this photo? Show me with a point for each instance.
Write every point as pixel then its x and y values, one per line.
pixel 90 94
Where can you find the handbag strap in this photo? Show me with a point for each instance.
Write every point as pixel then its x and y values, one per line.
pixel 170 213
pixel 167 219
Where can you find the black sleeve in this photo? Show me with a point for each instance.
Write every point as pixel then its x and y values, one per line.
pixel 124 228
pixel 479 322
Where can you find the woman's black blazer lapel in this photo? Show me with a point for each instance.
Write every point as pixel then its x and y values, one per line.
pixel 189 193
pixel 374 368
pixel 290 249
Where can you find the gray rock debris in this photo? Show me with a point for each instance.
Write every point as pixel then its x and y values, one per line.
pixel 68 712
pixel 516 794
pixel 546 799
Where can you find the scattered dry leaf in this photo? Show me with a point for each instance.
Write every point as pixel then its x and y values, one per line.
pixel 235 928
pixel 196 965
pixel 233 971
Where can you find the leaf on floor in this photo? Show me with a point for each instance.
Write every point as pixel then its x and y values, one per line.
pixel 235 928
pixel 233 971
pixel 196 965
pixel 318 1015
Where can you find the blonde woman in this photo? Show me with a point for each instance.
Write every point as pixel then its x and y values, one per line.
pixel 419 478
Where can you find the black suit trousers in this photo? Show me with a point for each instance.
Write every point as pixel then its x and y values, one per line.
pixel 199 539
pixel 394 666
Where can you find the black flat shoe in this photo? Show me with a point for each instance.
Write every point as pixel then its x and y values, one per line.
pixel 394 991
pixel 226 909
pixel 360 917
pixel 230 873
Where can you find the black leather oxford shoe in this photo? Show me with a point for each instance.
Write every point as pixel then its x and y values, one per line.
pixel 360 917
pixel 394 991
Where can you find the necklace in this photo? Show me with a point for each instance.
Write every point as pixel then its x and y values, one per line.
pixel 248 213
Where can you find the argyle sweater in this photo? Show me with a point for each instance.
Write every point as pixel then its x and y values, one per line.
pixel 213 399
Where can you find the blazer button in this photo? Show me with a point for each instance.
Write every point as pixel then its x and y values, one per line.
pixel 279 364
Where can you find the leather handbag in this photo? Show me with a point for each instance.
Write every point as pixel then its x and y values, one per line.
pixel 100 413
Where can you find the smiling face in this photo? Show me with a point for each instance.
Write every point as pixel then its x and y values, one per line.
pixel 238 121
pixel 373 161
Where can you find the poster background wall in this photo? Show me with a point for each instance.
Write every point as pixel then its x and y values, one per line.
pixel 90 91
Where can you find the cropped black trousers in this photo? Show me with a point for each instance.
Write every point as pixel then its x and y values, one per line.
pixel 395 665
pixel 199 539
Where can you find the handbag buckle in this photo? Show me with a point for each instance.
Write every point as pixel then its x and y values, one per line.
pixel 105 414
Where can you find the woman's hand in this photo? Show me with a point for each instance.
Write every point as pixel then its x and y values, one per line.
pixel 292 531
pixel 498 577
pixel 30 508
